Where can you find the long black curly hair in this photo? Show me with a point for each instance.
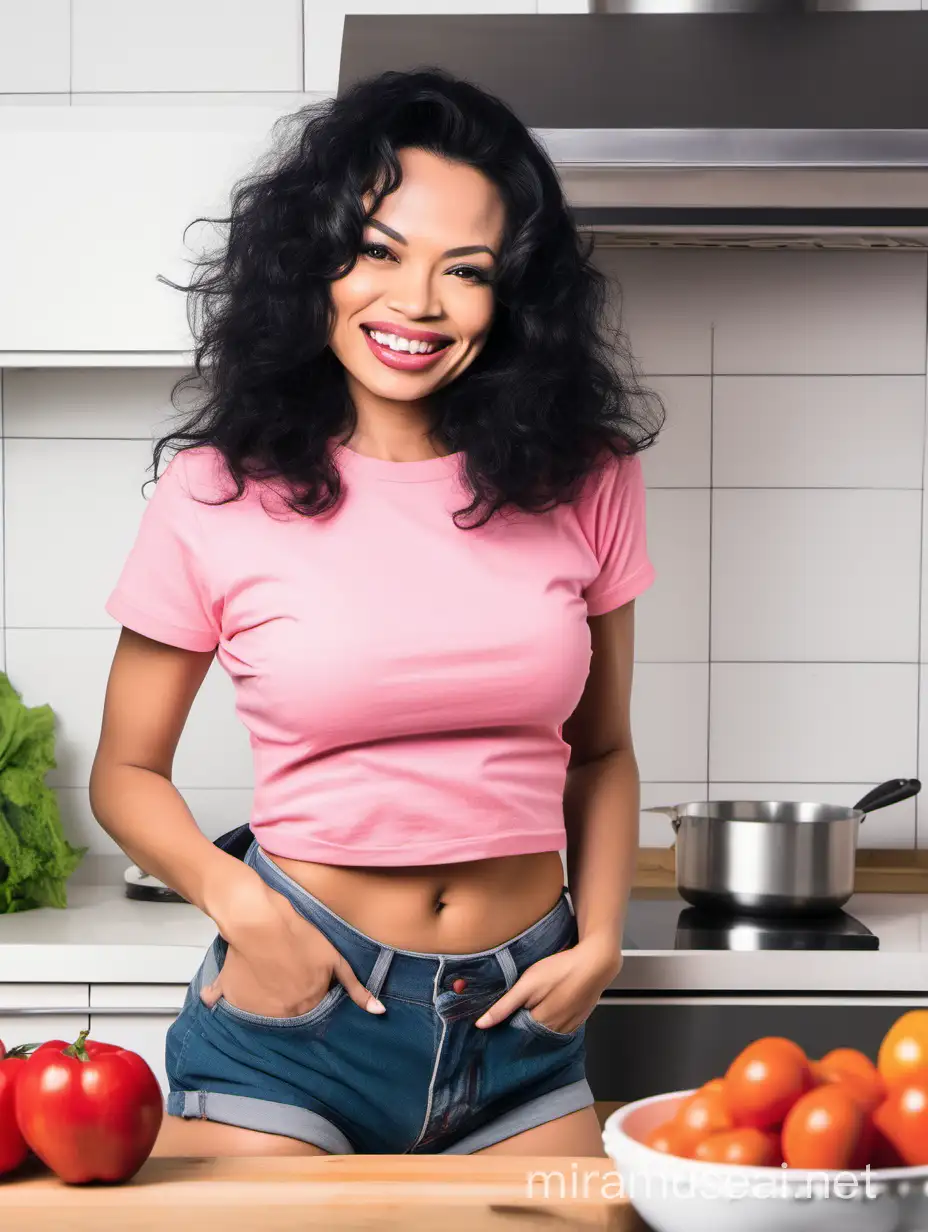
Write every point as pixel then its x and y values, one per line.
pixel 554 386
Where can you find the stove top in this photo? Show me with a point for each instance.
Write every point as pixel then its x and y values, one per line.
pixel 671 924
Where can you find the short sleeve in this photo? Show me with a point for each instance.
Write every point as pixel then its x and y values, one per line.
pixel 614 518
pixel 162 592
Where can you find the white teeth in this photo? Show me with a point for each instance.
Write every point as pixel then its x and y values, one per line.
pixel 397 343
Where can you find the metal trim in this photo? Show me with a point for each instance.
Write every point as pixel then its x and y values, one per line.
pixel 876 148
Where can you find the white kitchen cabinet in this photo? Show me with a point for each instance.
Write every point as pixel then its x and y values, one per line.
pixel 136 1016
pixel 324 21
pixel 31 1013
pixel 34 52
pixel 228 45
pixel 110 192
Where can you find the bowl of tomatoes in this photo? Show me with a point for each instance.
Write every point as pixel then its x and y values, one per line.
pixel 782 1142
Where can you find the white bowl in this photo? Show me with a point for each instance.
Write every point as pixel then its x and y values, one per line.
pixel 687 1195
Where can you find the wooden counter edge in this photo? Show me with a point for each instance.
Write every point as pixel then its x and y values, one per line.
pixel 336 1191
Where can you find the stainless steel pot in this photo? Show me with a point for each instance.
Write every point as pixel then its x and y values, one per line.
pixel 769 857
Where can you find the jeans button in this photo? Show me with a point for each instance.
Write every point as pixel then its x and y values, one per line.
pixel 459 985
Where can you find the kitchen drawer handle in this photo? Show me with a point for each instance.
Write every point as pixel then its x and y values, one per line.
pixel 22 1011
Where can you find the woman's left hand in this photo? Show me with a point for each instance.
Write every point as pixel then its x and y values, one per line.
pixel 562 989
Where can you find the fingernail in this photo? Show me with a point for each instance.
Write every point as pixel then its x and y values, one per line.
pixel 481 1022
pixel 375 1007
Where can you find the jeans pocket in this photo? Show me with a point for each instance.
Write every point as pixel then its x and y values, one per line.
pixel 318 1014
pixel 312 1017
pixel 523 1020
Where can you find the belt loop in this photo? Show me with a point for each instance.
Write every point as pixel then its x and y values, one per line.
pixel 508 966
pixel 379 971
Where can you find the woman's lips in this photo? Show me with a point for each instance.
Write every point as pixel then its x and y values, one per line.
pixel 403 359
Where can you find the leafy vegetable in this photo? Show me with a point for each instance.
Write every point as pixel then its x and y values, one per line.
pixel 35 857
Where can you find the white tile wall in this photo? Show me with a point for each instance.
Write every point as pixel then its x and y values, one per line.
pixel 796 394
pixel 807 574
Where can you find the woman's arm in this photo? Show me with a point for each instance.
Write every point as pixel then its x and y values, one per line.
pixel 602 793
pixel 281 962
pixel 149 693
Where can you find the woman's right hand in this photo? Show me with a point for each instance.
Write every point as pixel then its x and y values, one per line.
pixel 277 963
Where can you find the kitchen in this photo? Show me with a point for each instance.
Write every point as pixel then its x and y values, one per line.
pixel 779 655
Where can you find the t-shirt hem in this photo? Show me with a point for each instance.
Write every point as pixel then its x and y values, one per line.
pixel 159 630
pixel 522 843
pixel 623 592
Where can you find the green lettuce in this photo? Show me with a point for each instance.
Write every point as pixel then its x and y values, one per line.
pixel 35 857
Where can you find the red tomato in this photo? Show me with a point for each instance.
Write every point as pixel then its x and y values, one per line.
pixel 857 1071
pixel 740 1146
pixel 91 1114
pixel 765 1080
pixel 827 1128
pixel 705 1112
pixel 902 1119
pixel 13 1146
pixel 2 1050
pixel 669 1138
pixel 903 1053
pixel 93 1048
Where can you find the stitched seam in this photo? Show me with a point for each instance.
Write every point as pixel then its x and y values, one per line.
pixel 546 1031
pixel 309 1019
pixel 182 1054
pixel 441 1041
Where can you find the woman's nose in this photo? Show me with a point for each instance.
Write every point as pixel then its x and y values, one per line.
pixel 415 296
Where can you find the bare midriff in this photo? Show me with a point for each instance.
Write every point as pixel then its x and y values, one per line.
pixel 437 908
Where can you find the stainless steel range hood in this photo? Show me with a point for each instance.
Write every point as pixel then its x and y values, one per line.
pixel 782 127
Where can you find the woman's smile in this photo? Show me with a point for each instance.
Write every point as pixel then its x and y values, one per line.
pixel 405 354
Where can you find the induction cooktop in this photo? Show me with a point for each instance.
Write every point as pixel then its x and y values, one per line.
pixel 671 924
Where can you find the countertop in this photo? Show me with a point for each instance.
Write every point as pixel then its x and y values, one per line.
pixel 457 1193
pixel 101 937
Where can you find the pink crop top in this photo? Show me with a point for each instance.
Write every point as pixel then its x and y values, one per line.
pixel 404 682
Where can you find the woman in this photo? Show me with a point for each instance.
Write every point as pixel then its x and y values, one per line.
pixel 421 580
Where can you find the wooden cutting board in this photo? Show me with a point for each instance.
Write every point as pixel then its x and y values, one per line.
pixel 449 1193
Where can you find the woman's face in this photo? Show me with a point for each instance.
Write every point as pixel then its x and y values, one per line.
pixel 407 284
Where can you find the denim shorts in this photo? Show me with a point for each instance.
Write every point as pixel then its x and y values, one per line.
pixel 418 1079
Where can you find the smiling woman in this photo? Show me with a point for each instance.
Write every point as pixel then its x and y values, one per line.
pixel 418 280
pixel 422 587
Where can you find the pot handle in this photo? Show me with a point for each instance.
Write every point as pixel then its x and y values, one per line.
pixel 668 811
pixel 890 792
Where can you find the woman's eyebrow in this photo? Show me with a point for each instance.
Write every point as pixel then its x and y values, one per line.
pixel 452 252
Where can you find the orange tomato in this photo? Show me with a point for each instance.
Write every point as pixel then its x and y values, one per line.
pixel 827 1128
pixel 765 1080
pixel 705 1112
pixel 669 1138
pixel 714 1084
pixel 902 1120
pixel 857 1071
pixel 904 1051
pixel 740 1146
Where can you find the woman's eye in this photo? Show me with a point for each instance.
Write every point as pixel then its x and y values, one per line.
pixel 471 272
pixel 476 275
pixel 371 249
